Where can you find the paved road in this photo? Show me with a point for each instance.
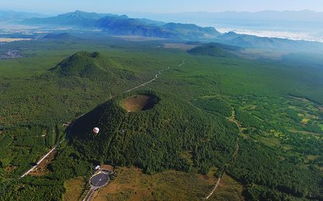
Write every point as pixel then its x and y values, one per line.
pixel 156 76
pixel 99 180
pixel 89 195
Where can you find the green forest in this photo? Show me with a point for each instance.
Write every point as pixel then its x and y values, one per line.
pixel 258 120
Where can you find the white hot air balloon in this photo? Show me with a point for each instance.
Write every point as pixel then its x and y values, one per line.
pixel 96 130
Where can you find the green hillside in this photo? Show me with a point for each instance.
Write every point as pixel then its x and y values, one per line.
pixel 171 134
pixel 89 65
pixel 257 120
pixel 214 49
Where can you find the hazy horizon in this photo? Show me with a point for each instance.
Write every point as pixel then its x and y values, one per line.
pixel 223 22
pixel 167 6
pixel 42 12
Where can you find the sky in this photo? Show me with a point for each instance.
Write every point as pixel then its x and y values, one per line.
pixel 158 6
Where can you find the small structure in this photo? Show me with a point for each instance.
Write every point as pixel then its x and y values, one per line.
pixel 97 167
pixel 107 168
pixel 99 180
pixel 66 124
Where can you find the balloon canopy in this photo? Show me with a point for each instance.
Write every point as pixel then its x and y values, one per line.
pixel 96 130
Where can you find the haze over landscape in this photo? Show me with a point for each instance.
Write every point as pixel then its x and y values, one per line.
pixel 262 18
pixel 166 6
pixel 166 101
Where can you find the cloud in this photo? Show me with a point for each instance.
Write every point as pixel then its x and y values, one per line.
pixel 278 34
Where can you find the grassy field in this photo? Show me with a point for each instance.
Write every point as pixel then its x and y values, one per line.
pixel 228 190
pixel 132 184
pixel 74 189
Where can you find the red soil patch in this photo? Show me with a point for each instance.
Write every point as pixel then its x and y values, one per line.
pixel 42 167
pixel 10 168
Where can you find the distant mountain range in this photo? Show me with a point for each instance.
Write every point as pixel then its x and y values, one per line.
pixel 304 24
pixel 203 17
pixel 13 16
pixel 123 25
pixel 279 20
pixel 250 41
pixel 77 18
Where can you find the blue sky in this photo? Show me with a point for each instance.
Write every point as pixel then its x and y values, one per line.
pixel 158 6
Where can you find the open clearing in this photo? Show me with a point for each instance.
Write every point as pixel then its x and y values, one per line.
pixel 74 189
pixel 181 46
pixel 138 103
pixel 132 184
pixel 228 190
pixel 42 167
pixel 7 40
pixel 139 38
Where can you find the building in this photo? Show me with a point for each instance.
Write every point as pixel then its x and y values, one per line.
pixel 107 168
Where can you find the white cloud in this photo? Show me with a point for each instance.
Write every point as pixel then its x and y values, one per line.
pixel 278 34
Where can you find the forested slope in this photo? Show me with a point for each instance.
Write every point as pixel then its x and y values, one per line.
pixel 171 135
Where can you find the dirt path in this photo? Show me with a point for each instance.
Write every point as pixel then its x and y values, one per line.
pixel 154 79
pixel 215 187
pixel 156 76
pixel 90 194
pixel 233 119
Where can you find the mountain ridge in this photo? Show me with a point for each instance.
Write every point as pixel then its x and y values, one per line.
pixel 124 25
pixel 10 16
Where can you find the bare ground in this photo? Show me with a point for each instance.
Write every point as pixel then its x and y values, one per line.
pixel 42 167
pixel 137 103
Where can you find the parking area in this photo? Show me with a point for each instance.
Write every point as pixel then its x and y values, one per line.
pixel 99 180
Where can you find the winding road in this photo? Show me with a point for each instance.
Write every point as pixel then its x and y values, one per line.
pixel 90 193
pixel 215 187
pixel 156 76
pixel 233 119
pixel 152 80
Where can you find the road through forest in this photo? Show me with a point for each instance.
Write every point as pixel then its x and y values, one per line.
pixel 90 193
pixel 232 119
pixel 156 76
